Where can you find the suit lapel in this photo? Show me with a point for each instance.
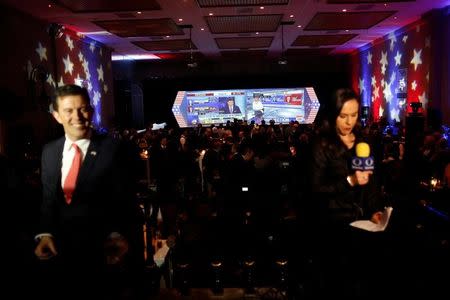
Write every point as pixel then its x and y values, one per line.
pixel 57 163
pixel 89 159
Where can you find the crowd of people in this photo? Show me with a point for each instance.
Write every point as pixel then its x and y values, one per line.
pixel 244 172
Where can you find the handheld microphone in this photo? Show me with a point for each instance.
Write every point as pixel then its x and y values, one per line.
pixel 362 161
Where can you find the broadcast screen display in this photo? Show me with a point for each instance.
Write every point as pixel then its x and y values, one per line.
pixel 282 105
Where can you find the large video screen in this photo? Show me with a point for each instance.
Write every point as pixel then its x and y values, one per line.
pixel 282 105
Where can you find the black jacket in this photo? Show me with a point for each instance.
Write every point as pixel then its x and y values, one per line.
pixel 336 200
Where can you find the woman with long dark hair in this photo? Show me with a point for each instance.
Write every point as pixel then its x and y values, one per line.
pixel 342 195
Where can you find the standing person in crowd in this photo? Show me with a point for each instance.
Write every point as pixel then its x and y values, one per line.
pixel 88 218
pixel 343 195
pixel 258 107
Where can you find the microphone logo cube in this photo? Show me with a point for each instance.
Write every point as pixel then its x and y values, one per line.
pixel 363 163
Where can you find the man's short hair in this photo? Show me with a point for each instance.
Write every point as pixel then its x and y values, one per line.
pixel 70 90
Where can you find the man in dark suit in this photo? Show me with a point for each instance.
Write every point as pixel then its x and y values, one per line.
pixel 231 107
pixel 88 215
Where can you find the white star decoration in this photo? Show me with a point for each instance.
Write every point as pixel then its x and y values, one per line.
pixel 394 114
pixel 423 99
pixel 405 38
pixel 393 39
pixel 86 70
pixel 100 73
pixel 42 51
pixel 89 86
pixel 61 82
pixel 96 98
pixel 69 42
pixel 68 65
pixel 393 76
pixel 50 80
pixel 383 61
pixel 380 111
pixel 85 65
pixel 417 60
pixel 92 46
pixel 369 58
pixel 361 86
pixel 413 85
pixel 374 81
pixel 375 93
pixel 387 92
pixel 398 58
pixel 81 57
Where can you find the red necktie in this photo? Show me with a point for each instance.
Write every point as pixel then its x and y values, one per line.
pixel 71 179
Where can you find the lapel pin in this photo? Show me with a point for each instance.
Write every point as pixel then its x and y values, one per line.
pixel 93 153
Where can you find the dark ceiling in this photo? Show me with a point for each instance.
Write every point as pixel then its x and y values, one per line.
pixel 218 29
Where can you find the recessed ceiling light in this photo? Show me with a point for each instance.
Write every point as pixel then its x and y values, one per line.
pixel 192 64
pixel 299 26
pixel 95 33
pixel 202 29
pixel 261 7
pixel 395 18
pixel 257 33
pixel 139 12
pixel 346 30
pixel 49 6
pixel 344 10
pixel 167 36
pixel 115 57
pixel 291 16
pixel 211 14
pixel 180 20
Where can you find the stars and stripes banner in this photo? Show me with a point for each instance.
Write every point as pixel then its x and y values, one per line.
pixel 79 60
pixel 394 72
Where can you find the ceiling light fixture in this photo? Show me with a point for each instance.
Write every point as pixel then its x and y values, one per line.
pixel 191 62
pixel 283 60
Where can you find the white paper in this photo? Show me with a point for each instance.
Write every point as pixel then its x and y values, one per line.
pixel 161 253
pixel 374 227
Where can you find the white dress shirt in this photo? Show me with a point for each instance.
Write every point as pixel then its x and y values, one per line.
pixel 69 153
